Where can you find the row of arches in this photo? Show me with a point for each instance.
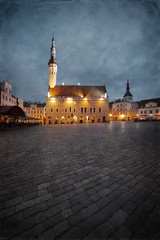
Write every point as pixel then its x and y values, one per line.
pixel 75 119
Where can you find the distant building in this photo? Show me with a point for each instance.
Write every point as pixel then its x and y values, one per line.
pixel 38 111
pixel 149 109
pixel 124 109
pixel 74 103
pixel 6 97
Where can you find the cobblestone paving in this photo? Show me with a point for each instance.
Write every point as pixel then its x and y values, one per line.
pixel 81 182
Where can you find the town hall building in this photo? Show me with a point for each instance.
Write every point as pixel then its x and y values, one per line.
pixel 74 103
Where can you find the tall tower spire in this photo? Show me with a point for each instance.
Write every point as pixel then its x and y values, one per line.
pixel 128 95
pixel 52 65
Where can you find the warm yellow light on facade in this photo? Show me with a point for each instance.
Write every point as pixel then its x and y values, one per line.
pixel 85 99
pixel 122 115
pixel 69 99
pixel 48 94
pixel 53 100
pixel 62 117
pixel 101 99
pixel 87 117
pixel 110 115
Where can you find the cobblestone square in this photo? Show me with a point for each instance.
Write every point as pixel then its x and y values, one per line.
pixel 95 181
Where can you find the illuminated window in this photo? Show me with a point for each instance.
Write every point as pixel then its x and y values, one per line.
pixel 99 110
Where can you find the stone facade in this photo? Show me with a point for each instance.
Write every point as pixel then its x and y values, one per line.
pixel 36 111
pixel 6 97
pixel 126 111
pixel 76 110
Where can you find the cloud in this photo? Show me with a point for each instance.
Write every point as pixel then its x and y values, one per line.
pixel 96 41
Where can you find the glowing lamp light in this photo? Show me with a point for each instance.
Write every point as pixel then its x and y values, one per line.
pixel 122 116
pixel 110 115
pixel 53 100
pixel 69 100
pixel 85 99
pixel 48 94
pixel 101 99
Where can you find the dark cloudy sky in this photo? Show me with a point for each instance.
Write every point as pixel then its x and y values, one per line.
pixel 97 41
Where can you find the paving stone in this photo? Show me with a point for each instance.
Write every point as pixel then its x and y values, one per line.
pixel 88 225
pixel 40 217
pixel 22 236
pixel 36 231
pixel 66 213
pixel 123 233
pixel 53 211
pixel 118 218
pixel 24 205
pixel 36 209
pixel 43 198
pixel 129 207
pixel 104 192
pixel 8 233
pixel 25 224
pixel 87 212
pixel 16 218
pixel 7 212
pixel 64 205
pixel 13 201
pixel 43 191
pixel 104 230
pixel 43 185
pixel 122 182
pixel 52 221
pixel 61 227
pixel 30 196
pixel 48 235
pixel 75 219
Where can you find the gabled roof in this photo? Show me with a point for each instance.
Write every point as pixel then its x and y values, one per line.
pixel 143 102
pixel 78 91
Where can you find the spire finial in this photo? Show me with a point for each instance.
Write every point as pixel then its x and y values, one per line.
pixel 52 33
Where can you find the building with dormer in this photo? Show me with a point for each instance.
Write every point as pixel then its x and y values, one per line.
pixel 124 109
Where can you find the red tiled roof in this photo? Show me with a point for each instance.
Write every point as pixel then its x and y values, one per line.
pixel 77 91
